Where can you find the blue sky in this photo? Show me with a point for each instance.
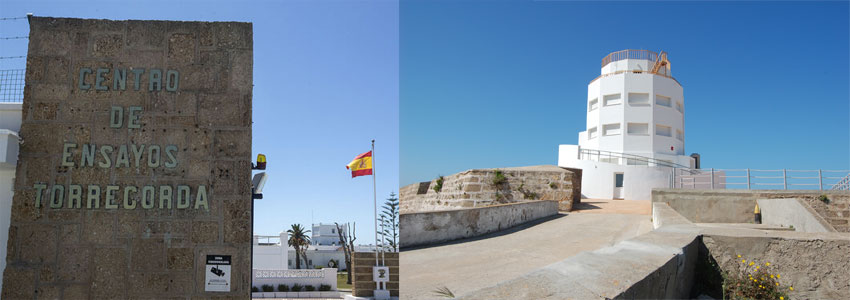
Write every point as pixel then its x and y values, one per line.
pixel 325 84
pixel 502 83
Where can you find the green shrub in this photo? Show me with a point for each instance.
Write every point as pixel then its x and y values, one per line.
pixel 324 288
pixel 439 186
pixel 824 199
pixel 318 267
pixel 310 288
pixel 297 287
pixel 499 178
pixel 754 281
pixel 254 289
pixel 282 288
pixel 526 193
pixel 268 288
pixel 553 186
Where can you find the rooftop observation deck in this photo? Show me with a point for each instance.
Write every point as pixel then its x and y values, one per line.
pixel 629 54
pixel 649 56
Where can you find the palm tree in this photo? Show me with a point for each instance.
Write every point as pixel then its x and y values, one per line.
pixel 298 238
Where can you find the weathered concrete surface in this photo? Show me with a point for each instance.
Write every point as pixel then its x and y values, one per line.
pixel 792 212
pixel 814 264
pixel 736 206
pixel 426 228
pixel 661 264
pixel 654 265
pixel 478 263
pixel 474 188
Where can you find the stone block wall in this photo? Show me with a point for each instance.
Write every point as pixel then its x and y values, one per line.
pixel 200 116
pixel 476 188
pixel 362 284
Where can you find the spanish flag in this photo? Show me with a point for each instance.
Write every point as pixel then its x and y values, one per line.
pixel 361 165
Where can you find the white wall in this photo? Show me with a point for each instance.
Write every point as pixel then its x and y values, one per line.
pixel 273 257
pixel 10 122
pixel 597 178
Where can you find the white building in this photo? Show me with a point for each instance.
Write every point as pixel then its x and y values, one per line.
pixel 271 252
pixel 10 125
pixel 635 133
pixel 326 234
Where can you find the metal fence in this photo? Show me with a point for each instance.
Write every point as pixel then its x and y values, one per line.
pixel 760 179
pixel 626 159
pixel 12 85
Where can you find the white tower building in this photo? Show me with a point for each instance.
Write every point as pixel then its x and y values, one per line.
pixel 635 130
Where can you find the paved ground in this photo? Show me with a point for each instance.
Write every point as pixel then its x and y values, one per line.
pixel 601 206
pixel 476 263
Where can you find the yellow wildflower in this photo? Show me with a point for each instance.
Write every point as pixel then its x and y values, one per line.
pixel 781 298
pixel 751 263
pixel 743 261
pixel 757 267
pixel 777 284
pixel 777 275
pixel 767 264
pixel 771 275
pixel 791 288
pixel 739 256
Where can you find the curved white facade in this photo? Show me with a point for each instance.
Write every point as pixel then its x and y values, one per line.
pixel 635 120
pixel 635 113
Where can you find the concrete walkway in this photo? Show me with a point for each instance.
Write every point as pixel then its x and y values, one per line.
pixel 476 263
pixel 602 206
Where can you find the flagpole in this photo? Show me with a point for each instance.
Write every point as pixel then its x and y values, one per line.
pixel 375 202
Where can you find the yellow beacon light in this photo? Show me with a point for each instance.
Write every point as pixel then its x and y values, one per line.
pixel 261 162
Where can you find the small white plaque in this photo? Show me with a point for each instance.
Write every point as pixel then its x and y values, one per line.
pixel 217 273
pixel 381 274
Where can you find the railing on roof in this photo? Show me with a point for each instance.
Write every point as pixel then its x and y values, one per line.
pixel 629 54
pixel 625 159
pixel 12 85
pixel 760 179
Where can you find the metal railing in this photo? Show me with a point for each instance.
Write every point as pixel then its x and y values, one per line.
pixel 12 85
pixel 629 54
pixel 625 158
pixel 760 179
pixel 843 184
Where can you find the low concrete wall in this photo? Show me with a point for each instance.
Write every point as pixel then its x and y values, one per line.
pixel 427 228
pixel 655 265
pixel 662 264
pixel 736 206
pixel 792 212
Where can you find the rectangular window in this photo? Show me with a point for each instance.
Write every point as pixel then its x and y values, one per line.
pixel 637 162
pixel 679 107
pixel 680 135
pixel 638 128
pixel 618 180
pixel 591 133
pixel 663 130
pixel 639 99
pixel 612 99
pixel 663 101
pixel 611 129
pixel 593 104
